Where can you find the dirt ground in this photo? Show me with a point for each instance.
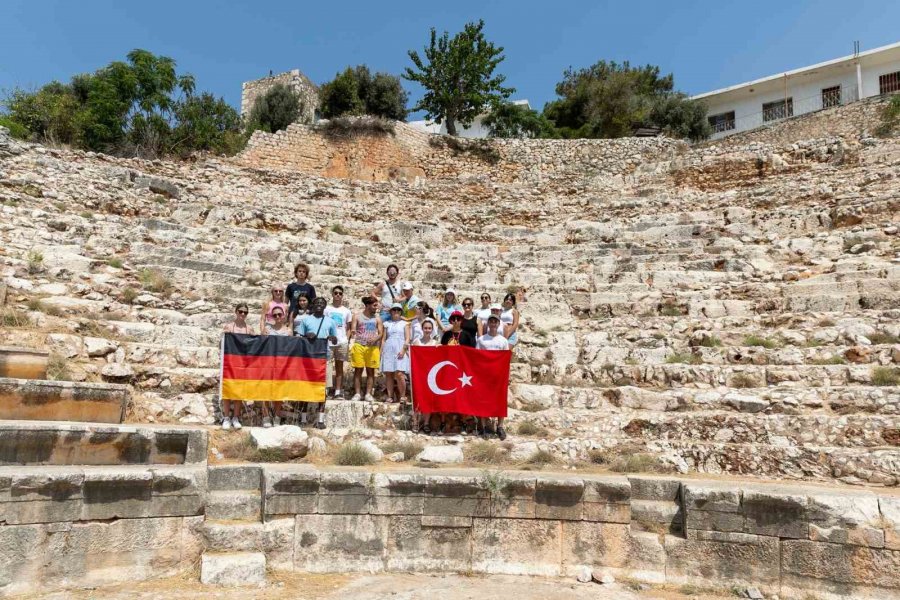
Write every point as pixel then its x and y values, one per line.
pixel 299 586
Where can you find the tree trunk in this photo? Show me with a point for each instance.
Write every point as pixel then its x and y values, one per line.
pixel 451 126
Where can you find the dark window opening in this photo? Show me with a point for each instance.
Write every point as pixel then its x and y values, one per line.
pixel 772 111
pixel 889 83
pixel 721 122
pixel 831 96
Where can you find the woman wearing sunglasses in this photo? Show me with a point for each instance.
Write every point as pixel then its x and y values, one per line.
pixel 279 327
pixel 277 301
pixel 231 409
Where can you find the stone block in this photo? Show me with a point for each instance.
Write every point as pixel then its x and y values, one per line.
pixel 176 506
pixel 417 543
pixel 659 516
pixel 714 521
pixel 234 505
pixel 745 559
pixel 48 483
pixel 513 497
pixel 849 517
pixel 235 477
pixel 516 546
pixel 291 491
pixel 775 511
pixel 607 499
pixel 179 481
pixel 397 494
pixel 111 492
pixel 23 549
pixel 646 487
pixel 840 570
pixel 717 497
pixel 612 546
pixel 456 495
pixel 890 515
pixel 559 498
pixel 344 493
pixel 233 569
pixel 326 543
pixel 274 538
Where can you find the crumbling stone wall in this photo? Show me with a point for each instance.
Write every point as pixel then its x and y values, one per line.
pixel 300 83
pixel 407 153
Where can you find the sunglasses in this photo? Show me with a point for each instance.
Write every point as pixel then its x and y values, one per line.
pixel 242 312
pixel 337 293
pixel 485 297
pixel 467 304
pixel 455 319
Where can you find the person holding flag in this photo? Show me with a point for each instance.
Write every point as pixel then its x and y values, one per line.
pixel 319 326
pixel 493 341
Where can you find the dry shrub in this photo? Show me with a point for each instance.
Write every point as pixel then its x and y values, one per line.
pixel 485 452
pixel 409 448
pixel 352 454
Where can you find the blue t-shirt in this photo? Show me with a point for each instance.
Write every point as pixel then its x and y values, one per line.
pixel 443 313
pixel 310 324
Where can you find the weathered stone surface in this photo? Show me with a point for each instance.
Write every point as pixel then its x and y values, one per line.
pixel 559 498
pixel 840 570
pixel 456 495
pixel 274 538
pixel 441 454
pixel 28 399
pixel 233 568
pixel 340 543
pixel 428 544
pixel 344 493
pixel 397 494
pixel 290 440
pixel 614 546
pixel 777 512
pixel 517 547
pixel 723 557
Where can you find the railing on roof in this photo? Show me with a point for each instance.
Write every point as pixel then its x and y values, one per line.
pixel 778 110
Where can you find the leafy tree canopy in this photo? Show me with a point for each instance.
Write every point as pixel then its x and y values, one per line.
pixel 458 76
pixel 508 120
pixel 610 99
pixel 275 110
pixel 355 91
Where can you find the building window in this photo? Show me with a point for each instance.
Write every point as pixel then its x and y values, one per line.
pixel 889 83
pixel 721 122
pixel 831 96
pixel 772 111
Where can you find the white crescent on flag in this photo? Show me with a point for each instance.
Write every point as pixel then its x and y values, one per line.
pixel 432 378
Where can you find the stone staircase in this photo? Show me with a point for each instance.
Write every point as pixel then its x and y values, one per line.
pixel 747 326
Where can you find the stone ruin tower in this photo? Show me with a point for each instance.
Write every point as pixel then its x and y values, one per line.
pixel 309 92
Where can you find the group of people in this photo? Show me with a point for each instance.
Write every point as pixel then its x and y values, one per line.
pixel 377 337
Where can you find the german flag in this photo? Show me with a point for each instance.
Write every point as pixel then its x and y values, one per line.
pixel 270 368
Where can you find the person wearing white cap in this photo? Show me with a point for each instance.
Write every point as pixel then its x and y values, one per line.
pixel 495 311
pixel 408 301
pixel 395 355
pixel 447 308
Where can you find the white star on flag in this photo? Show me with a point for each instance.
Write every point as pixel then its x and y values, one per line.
pixel 465 380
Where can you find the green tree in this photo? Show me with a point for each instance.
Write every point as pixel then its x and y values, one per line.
pixel 206 123
pixel 609 99
pixel 508 120
pixel 458 76
pixel 355 91
pixel 275 110
pixel 47 115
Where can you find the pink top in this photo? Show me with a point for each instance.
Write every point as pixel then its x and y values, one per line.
pixel 272 306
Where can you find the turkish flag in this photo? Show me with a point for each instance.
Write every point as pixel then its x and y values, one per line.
pixel 460 379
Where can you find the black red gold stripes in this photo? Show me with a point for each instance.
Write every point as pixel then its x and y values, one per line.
pixel 268 368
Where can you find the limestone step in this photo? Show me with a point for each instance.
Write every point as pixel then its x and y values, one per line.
pixel 233 569
pixel 234 505
pixel 274 538
pixel 235 477
pixel 39 400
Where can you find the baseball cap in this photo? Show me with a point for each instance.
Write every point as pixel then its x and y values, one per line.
pixel 396 306
pixel 406 286
pixel 496 307
pixel 450 291
pixel 456 313
pixel 494 318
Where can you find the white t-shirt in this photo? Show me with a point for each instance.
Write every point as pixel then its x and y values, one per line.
pixel 492 342
pixel 483 314
pixel 341 316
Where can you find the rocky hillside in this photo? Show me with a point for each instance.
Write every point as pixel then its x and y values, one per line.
pixel 729 308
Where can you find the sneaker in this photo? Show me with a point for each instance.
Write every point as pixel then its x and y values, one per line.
pixel 235 423
pixel 356 398
pixel 501 433
pixel 370 398
pixel 320 424
pixel 226 423
pixel 338 394
pixel 267 422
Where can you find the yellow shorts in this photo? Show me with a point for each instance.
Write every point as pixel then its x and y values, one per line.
pixel 365 356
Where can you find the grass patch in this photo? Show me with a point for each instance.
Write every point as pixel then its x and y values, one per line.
pixel 270 455
pixel 826 322
pixel 129 294
pixel 235 445
pixel 742 381
pixel 12 317
pixel 36 305
pixel 530 406
pixel 531 428
pixel 35 262
pixel 485 452
pixel 755 340
pixel 352 454
pixel 541 458
pixel 339 229
pixel 885 376
pixel 114 262
pixel 410 449
pixel 686 358
pixel 58 368
pixel 884 338
pixel 86 214
pixel 670 311
pixel 851 241
pixel 711 342
pixel 832 360
pixel 155 281
pixel 626 462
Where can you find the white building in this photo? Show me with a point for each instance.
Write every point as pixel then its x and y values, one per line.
pixel 831 83
pixel 476 130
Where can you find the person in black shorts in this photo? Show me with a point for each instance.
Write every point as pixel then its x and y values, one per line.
pixel 297 288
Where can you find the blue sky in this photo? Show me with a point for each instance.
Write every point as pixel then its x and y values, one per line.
pixel 707 45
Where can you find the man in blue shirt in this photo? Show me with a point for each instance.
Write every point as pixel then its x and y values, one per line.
pixel 319 326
